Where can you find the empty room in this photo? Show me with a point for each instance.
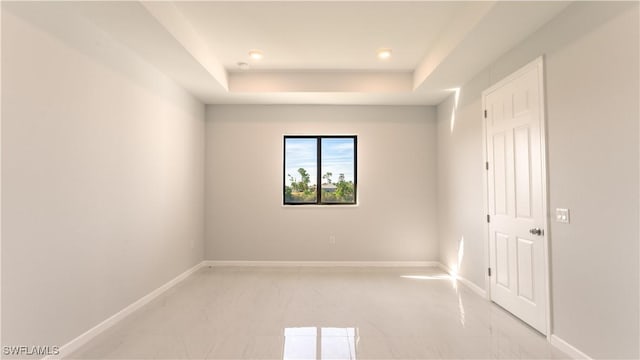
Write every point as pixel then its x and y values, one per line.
pixel 320 180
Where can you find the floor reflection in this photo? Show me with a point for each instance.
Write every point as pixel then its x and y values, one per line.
pixel 320 343
pixel 461 309
pixel 453 277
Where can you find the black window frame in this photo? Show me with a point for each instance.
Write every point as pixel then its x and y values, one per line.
pixel 319 169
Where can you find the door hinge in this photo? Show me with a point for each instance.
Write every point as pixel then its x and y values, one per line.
pixel 488 218
pixel 486 165
pixel 485 114
pixel 489 271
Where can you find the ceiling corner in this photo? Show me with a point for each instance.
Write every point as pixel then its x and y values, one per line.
pixel 170 17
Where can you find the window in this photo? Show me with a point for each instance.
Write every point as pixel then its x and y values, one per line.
pixel 329 161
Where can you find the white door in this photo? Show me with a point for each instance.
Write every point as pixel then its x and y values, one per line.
pixel 516 195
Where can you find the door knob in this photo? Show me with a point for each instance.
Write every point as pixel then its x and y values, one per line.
pixel 536 231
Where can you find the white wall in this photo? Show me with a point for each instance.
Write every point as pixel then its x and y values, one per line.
pixel 591 63
pixel 394 220
pixel 460 207
pixel 102 175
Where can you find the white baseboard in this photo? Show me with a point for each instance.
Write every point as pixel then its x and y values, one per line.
pixel 468 283
pixel 568 348
pixel 76 343
pixel 216 263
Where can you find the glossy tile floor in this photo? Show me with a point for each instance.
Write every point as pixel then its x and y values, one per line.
pixel 319 313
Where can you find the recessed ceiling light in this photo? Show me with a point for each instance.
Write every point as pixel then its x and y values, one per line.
pixel 384 53
pixel 256 54
pixel 243 65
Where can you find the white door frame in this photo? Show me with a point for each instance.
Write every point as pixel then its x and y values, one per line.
pixel 539 63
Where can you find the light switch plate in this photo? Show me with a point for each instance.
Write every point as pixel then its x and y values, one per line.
pixel 562 215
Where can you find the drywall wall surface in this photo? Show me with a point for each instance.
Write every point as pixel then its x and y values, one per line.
pixel 102 175
pixel 460 171
pixel 593 100
pixel 395 216
pixel 591 78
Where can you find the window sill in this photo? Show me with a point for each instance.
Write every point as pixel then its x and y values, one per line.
pixel 315 206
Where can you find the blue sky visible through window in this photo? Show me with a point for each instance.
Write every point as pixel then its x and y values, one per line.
pixel 337 158
pixel 301 153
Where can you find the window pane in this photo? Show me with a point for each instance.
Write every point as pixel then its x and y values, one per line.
pixel 338 170
pixel 300 170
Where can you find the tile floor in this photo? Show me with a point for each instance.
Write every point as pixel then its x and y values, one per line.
pixel 319 313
